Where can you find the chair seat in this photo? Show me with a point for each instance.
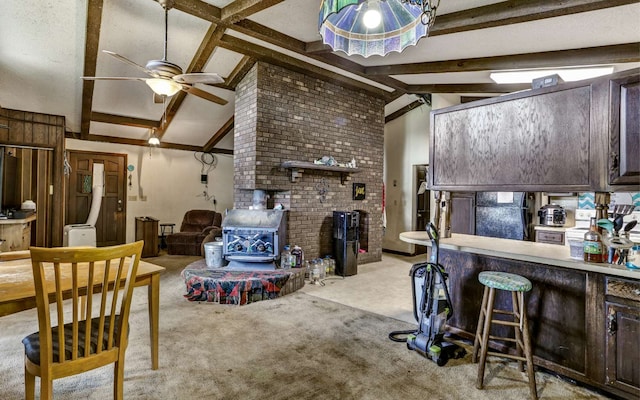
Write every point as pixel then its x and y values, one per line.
pixel 32 342
pixel 505 281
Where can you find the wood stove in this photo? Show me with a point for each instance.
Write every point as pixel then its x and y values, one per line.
pixel 253 239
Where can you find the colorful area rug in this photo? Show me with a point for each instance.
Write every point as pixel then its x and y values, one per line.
pixel 233 287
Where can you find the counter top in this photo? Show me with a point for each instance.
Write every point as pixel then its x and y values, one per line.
pixel 551 228
pixel 10 221
pixel 540 253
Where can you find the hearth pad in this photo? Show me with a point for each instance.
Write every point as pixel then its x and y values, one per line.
pixel 224 286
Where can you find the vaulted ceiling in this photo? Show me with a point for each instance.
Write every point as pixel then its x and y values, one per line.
pixel 48 45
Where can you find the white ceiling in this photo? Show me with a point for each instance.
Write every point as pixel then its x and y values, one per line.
pixel 42 44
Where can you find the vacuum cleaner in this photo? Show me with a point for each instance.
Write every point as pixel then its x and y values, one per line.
pixel 432 308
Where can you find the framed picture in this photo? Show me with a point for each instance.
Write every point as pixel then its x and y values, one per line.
pixel 359 191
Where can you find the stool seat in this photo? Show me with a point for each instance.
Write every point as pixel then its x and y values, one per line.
pixel 505 281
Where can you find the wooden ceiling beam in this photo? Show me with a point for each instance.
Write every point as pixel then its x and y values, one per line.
pixel 94 21
pixel 199 9
pixel 514 12
pixel 467 88
pixel 123 120
pixel 241 9
pixel 219 135
pixel 144 143
pixel 619 53
pixel 239 72
pixel 273 57
pixel 403 111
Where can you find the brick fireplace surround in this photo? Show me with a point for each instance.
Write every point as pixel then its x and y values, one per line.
pixel 283 115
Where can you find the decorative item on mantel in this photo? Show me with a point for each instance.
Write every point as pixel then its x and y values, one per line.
pixel 375 27
pixel 325 163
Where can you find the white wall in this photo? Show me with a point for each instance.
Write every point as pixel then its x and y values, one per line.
pixel 165 183
pixel 406 143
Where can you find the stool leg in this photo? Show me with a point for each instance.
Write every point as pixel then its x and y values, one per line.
pixel 485 338
pixel 517 318
pixel 481 321
pixel 527 350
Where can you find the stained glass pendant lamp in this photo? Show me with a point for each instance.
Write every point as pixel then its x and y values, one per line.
pixel 375 27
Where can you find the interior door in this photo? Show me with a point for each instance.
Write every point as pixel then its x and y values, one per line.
pixel 111 223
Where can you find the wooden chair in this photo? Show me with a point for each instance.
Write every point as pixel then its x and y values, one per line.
pixel 91 338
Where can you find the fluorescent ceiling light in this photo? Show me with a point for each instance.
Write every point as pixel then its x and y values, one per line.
pixel 567 74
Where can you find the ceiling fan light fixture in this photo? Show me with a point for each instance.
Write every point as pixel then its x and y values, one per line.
pixel 163 87
pixel 153 139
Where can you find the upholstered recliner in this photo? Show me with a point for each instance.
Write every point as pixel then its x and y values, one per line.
pixel 196 225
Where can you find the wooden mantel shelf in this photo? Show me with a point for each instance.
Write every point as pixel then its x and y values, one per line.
pixel 297 167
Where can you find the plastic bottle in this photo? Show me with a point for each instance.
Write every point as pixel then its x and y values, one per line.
pixel 285 258
pixel 298 257
pixel 593 248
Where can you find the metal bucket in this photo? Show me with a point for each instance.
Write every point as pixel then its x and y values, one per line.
pixel 213 254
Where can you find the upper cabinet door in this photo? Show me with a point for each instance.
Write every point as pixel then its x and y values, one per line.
pixel 624 155
pixel 538 140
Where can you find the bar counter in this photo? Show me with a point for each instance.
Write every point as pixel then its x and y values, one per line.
pixel 541 253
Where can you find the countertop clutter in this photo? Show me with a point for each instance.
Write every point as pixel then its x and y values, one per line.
pixel 542 253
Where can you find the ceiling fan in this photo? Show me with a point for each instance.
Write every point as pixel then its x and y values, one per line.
pixel 167 78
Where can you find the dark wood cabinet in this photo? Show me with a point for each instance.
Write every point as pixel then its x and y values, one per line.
pixel 579 136
pixel 147 230
pixel 537 140
pixel 624 155
pixel 622 353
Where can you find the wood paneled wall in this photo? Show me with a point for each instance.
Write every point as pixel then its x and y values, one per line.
pixel 41 167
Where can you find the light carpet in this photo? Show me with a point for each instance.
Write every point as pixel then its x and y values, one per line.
pixel 317 343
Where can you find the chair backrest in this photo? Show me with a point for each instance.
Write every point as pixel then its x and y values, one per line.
pixel 198 220
pixel 71 273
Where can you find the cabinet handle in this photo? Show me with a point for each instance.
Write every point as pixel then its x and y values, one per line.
pixel 613 324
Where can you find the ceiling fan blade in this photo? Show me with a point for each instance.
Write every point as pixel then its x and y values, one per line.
pixel 198 77
pixel 133 64
pixel 112 78
pixel 203 94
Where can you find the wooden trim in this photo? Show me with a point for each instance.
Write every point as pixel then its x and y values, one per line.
pixel 514 12
pixel 619 53
pixel 94 21
pixel 468 88
pixel 241 9
pixel 219 135
pixel 403 111
pixel 122 120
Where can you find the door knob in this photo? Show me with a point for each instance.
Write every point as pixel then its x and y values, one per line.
pixel 119 205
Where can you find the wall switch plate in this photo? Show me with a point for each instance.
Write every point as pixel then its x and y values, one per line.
pixel 143 198
pixel 132 198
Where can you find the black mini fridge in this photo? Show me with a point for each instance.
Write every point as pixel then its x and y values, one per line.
pixel 346 236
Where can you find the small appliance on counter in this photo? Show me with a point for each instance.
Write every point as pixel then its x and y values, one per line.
pixel 552 215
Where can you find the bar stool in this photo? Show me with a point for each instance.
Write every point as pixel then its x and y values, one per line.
pixel 517 285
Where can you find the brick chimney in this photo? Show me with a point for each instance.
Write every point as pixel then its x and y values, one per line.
pixel 283 115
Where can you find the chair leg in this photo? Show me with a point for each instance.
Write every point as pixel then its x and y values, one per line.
pixel 29 385
pixel 118 378
pixel 527 351
pixel 481 322
pixel 515 305
pixel 485 338
pixel 46 388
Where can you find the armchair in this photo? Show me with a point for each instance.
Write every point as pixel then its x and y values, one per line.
pixel 196 225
